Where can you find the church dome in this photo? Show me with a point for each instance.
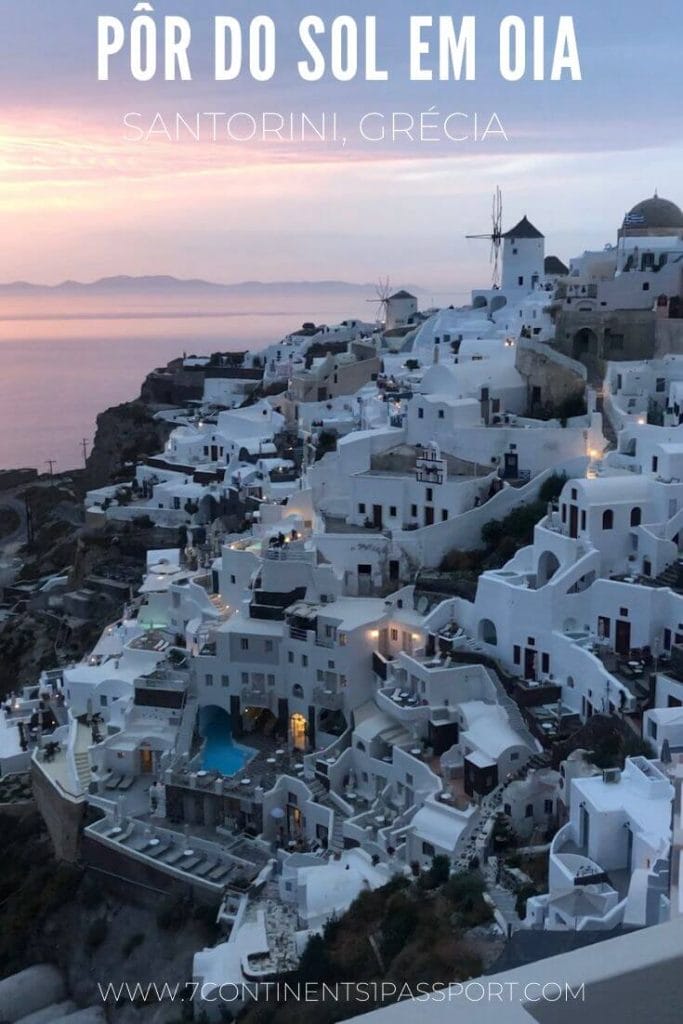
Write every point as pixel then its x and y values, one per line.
pixel 654 215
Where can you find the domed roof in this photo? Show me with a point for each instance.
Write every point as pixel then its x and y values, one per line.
pixel 655 214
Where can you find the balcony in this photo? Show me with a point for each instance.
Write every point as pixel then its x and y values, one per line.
pixel 328 698
pixel 257 697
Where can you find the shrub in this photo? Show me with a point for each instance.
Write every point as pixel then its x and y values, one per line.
pixel 96 934
pixel 551 488
pixel 132 942
pixel 172 914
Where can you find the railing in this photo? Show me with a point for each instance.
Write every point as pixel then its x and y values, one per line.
pixel 295 633
pixel 328 698
pixel 257 695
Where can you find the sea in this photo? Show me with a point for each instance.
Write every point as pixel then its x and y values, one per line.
pixel 58 371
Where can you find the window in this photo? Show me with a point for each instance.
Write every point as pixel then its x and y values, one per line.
pixel 320 675
pixel 604 626
pixel 420 413
pixel 430 494
pixel 623 612
pixel 444 514
pixel 271 679
pixel 392 511
pixel 652 729
pixel 225 681
pixel 520 281
pixel 517 654
pixel 290 657
pixel 441 414
pixel 304 660
pixel 427 850
pixel 268 646
pixel 361 508
pixel 413 511
pixel 103 700
pixel 545 662
pixel 636 516
pixel 646 286
pixel 529 811
pixel 208 679
pixel 245 679
pixel 394 634
pixel 233 579
pixel 507 809
pixel 548 806
pixel 514 756
pixel 583 519
pixel 244 643
pixel 574 494
pixel 608 519
pixel 661 384
pixel 655 463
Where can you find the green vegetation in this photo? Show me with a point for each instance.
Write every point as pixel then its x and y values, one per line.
pixel 612 750
pixel 172 913
pixel 411 930
pixel 97 933
pixel 502 538
pixel 132 943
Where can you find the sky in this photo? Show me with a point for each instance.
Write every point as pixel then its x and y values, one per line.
pixel 80 200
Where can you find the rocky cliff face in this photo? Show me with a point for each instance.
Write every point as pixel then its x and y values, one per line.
pixel 125 433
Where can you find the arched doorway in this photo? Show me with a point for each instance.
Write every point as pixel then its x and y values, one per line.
pixel 487 632
pixel 585 344
pixel 298 731
pixel 548 564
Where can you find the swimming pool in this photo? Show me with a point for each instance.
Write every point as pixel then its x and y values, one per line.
pixel 220 753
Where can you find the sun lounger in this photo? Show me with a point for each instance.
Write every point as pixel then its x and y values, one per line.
pixel 113 782
pixel 220 873
pixel 158 851
pixel 190 863
pixel 202 870
pixel 173 857
pixel 126 782
pixel 126 834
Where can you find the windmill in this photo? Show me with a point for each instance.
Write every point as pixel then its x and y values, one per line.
pixel 495 236
pixel 383 292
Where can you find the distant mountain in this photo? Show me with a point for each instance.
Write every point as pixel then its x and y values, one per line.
pixel 123 284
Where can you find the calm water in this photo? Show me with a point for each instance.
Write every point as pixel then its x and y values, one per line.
pixel 58 374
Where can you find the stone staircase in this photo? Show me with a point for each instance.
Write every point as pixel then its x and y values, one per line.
pixel 336 841
pixel 317 789
pixel 671 577
pixel 82 761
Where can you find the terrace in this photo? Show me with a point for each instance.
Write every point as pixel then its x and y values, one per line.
pixel 213 862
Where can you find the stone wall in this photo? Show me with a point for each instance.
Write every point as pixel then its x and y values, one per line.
pixel 668 338
pixel 599 336
pixel 557 376
pixel 63 817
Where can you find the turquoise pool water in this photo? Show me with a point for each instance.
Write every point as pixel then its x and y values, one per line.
pixel 220 752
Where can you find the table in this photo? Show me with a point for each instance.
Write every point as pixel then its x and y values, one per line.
pixel 271 760
pixel 416 751
pixel 188 853
pixel 246 782
pixel 154 842
pixel 447 796
pixel 202 774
